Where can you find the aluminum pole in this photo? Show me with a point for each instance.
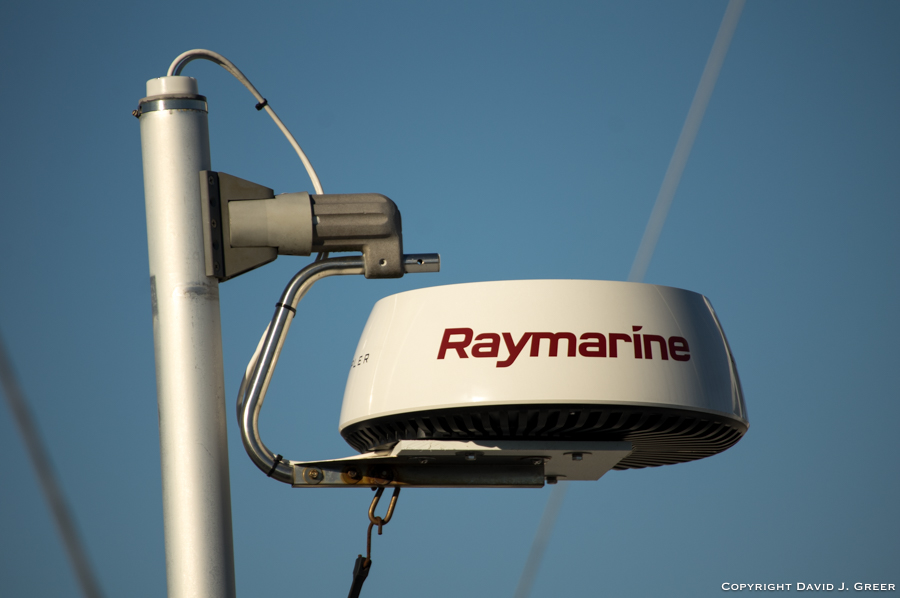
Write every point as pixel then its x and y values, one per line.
pixel 188 344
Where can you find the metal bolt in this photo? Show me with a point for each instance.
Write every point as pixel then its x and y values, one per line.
pixel 577 456
pixel 314 474
pixel 423 461
pixel 353 474
pixel 537 461
pixel 470 456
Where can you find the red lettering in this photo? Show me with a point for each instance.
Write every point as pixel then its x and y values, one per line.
pixel 648 348
pixel 513 348
pixel 593 344
pixel 594 349
pixel 487 349
pixel 614 337
pixel 459 346
pixel 678 348
pixel 554 342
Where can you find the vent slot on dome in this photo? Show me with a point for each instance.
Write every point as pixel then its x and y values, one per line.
pixel 660 436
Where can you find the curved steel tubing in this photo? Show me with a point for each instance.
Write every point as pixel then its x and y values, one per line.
pixel 259 372
pixel 253 390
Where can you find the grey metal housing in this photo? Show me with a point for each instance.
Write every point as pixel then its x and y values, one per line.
pixel 246 226
pixel 366 222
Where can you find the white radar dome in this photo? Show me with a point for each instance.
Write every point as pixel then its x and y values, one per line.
pixel 550 360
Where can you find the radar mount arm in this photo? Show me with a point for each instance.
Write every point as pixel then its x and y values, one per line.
pixel 253 387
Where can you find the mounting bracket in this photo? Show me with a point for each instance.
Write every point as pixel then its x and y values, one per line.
pixel 246 225
pixel 468 464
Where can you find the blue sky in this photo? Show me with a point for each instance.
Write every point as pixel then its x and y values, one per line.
pixel 520 140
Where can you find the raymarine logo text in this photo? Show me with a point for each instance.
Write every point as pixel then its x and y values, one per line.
pixel 589 344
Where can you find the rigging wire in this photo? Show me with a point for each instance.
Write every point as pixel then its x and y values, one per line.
pixel 686 141
pixel 645 251
pixel 541 540
pixel 43 467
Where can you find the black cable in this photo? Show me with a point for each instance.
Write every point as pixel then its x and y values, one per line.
pixel 360 573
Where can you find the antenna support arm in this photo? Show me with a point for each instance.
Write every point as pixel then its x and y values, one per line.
pixel 259 372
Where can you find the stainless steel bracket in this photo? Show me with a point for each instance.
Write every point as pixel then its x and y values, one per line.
pixel 465 464
pixel 253 388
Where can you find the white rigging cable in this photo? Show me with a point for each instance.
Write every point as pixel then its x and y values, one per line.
pixel 645 250
pixel 183 59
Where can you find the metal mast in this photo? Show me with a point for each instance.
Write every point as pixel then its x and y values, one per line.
pixel 188 344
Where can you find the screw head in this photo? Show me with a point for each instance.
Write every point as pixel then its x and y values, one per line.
pixel 577 456
pixel 314 474
pixel 537 461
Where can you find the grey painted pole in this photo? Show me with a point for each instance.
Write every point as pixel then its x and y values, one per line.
pixel 188 344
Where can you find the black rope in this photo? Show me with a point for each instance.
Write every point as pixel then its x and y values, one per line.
pixel 360 573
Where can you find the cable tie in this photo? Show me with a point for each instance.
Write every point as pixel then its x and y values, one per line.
pixel 262 104
pixel 278 459
pixel 285 306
